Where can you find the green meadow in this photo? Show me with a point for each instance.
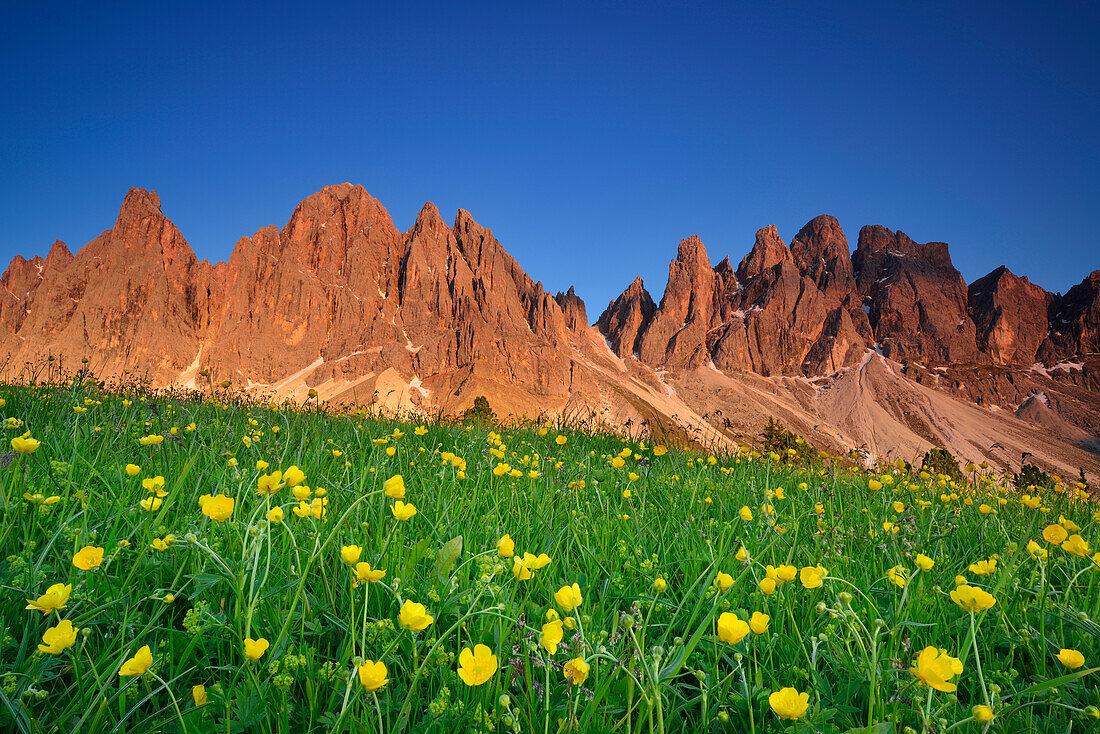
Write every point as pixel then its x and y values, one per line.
pixel 184 562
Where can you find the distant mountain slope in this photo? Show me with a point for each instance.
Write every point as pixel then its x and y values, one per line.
pixel 885 348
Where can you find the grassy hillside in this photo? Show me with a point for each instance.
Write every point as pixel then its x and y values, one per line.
pixel 174 539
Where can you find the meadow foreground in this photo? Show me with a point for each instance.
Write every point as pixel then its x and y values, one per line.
pixel 180 563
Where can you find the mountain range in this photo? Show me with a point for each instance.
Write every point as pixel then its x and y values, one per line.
pixel 884 349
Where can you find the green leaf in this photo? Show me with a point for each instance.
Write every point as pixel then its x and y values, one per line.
pixel 1055 682
pixel 445 559
pixel 884 727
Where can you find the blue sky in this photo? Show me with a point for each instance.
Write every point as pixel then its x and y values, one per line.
pixel 591 137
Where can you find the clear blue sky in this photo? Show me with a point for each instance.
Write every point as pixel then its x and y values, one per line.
pixel 591 138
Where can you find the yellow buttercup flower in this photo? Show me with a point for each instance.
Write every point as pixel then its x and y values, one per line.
pixel 373 675
pixel 936 668
pixel 506 547
pixel 476 666
pixel 349 554
pixel 897 576
pixel 132 470
pixel 551 636
pixel 1054 534
pixel 788 703
pixel 1070 658
pixel 151 504
pixel 198 693
pixel 1076 545
pixel 276 515
pixel 56 597
pixel 731 628
pixel 984 568
pixel 255 649
pixel 972 599
pixel 268 484
pixel 560 440
pixel 414 616
pixel 767 585
pixel 758 623
pixel 982 714
pixel 569 597
pixel 25 444
pixel 151 440
pixel 1036 550
pixel 576 671
pixel 723 580
pixel 58 638
pixel 88 557
pixel 812 577
pixel 218 508
pixel 924 563
pixel 403 511
pixel 294 476
pixel 659 584
pixel 138 664
pixel 364 573
pixel 394 487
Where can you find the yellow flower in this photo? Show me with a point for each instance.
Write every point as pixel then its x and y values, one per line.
pixel 161 544
pixel 723 580
pixel 132 470
pixel 1076 545
pixel 198 693
pixel 936 668
pixel 301 493
pixel 731 628
pixel 1036 550
pixel 414 616
pixel 476 666
pixel 660 450
pixel 972 599
pixel 984 568
pixel 262 465
pixel 1054 534
pixel 269 483
pixel 276 515
pixel 58 638
pixel 364 572
pixel 576 671
pixel 788 703
pixel 812 577
pixel 25 444
pixel 899 507
pixel 746 514
pixel 551 636
pixel 403 511
pixel 659 584
pixel 294 476
pixel 982 714
pixel 394 487
pixel 138 664
pixel 742 554
pixel 373 675
pixel 506 547
pixel 1096 560
pixel 349 554
pixel 560 440
pixel 255 649
pixel 56 597
pixel 218 508
pixel 874 485
pixel 924 563
pixel 391 450
pixel 151 440
pixel 88 557
pixel 758 623
pixel 569 597
pixel 1069 525
pixel 151 504
pixel 767 585
pixel 897 576
pixel 1070 658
